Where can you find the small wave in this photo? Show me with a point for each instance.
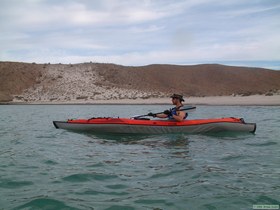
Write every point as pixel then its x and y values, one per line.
pixel 269 143
pixel 50 162
pixel 94 192
pixel 88 177
pixel 232 157
pixel 266 199
pixel 154 201
pixel 95 165
pixel 45 203
pixel 213 169
pixel 159 175
pixel 47 136
pixel 7 183
pixel 117 186
pixel 116 207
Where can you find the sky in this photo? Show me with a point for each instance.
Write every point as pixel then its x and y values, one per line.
pixel 140 32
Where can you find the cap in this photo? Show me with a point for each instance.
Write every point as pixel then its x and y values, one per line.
pixel 180 97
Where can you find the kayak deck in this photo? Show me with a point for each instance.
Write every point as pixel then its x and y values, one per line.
pixel 144 126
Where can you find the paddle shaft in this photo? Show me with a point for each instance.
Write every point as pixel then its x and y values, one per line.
pixel 189 108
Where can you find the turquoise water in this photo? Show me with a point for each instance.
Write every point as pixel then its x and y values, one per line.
pixel 46 168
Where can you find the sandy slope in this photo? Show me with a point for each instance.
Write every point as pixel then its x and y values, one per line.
pixel 103 83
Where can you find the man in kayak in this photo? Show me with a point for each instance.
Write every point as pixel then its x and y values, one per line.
pixel 174 113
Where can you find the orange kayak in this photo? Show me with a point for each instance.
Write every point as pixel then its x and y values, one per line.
pixel 146 126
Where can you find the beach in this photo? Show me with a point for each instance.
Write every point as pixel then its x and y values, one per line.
pixel 253 100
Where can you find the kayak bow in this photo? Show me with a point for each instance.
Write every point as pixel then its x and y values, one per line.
pixel 145 126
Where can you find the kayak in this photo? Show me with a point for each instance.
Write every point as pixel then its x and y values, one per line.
pixel 146 126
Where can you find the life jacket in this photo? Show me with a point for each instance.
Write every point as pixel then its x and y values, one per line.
pixel 174 112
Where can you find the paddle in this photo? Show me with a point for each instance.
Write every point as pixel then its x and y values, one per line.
pixel 187 108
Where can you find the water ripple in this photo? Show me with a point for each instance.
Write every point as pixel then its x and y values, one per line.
pixel 11 184
pixel 88 177
pixel 46 168
pixel 45 203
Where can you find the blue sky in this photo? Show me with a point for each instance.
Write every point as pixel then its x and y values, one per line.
pixel 140 32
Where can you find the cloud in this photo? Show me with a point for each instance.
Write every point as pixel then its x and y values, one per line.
pixel 139 32
pixel 83 13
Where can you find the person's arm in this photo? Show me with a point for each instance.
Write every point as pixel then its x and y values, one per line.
pixel 161 116
pixel 180 116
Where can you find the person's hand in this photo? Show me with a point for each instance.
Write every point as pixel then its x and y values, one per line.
pixel 167 112
pixel 152 114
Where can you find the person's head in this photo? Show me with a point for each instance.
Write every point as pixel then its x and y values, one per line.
pixel 176 98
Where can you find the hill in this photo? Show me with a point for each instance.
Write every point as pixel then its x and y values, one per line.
pixel 25 82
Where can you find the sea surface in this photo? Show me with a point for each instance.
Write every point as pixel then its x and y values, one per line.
pixel 46 168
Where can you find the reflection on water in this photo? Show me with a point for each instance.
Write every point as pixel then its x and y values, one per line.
pixel 148 140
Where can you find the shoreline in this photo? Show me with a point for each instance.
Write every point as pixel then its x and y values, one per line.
pixel 253 100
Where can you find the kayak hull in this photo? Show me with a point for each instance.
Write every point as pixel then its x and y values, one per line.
pixel 132 126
